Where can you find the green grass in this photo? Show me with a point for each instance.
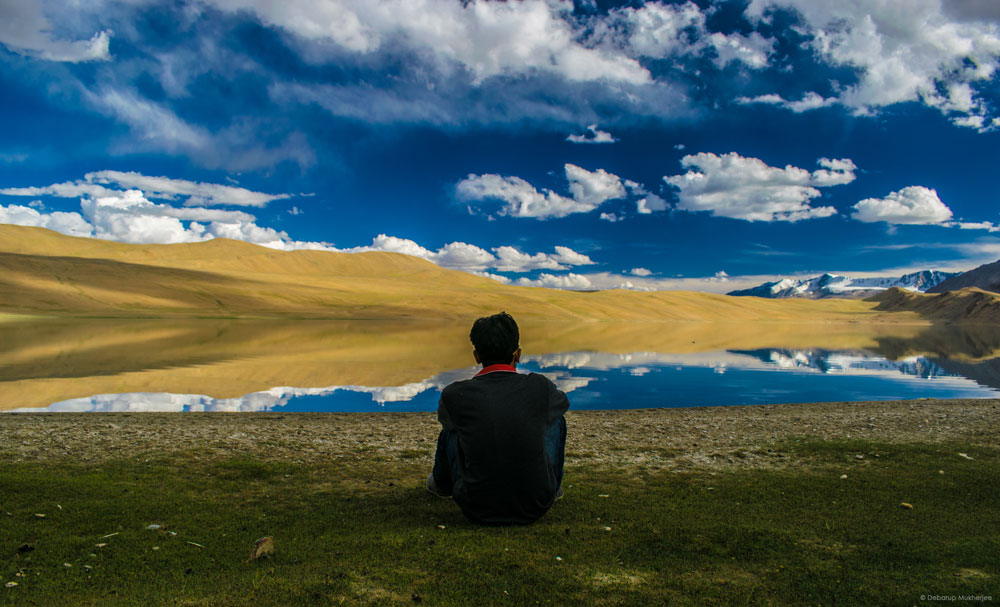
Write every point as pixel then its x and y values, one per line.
pixel 368 533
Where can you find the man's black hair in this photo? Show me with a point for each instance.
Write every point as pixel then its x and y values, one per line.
pixel 495 338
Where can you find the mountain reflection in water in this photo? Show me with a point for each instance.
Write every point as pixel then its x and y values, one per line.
pixel 230 365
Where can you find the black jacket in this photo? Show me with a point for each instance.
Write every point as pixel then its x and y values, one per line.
pixel 504 472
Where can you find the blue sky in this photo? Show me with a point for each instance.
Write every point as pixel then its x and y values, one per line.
pixel 700 145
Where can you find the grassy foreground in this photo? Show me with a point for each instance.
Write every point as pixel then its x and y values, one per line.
pixel 366 532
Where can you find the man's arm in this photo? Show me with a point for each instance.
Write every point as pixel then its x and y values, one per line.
pixel 443 415
pixel 558 402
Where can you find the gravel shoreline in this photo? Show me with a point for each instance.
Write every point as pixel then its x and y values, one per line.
pixel 676 438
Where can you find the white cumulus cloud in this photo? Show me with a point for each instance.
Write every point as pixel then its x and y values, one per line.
pixel 734 186
pixel 660 31
pixel 752 50
pixel 510 259
pixel 132 218
pixel 570 257
pixel 588 189
pixel 471 258
pixel 594 135
pixel 463 256
pixel 646 202
pixel 26 29
pixel 110 183
pixel 66 223
pixel 196 193
pixel 484 38
pixel 128 215
pixel 809 101
pixel 558 281
pixel 593 187
pixel 75 189
pixel 938 52
pixel 522 199
pixel 913 205
pixel 977 225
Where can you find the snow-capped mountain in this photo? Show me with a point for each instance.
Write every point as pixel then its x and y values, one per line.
pixel 831 285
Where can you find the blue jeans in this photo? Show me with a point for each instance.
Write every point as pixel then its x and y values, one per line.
pixel 446 457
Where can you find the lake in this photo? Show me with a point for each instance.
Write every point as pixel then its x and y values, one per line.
pixel 227 365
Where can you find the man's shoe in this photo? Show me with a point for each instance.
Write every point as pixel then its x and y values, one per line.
pixel 433 488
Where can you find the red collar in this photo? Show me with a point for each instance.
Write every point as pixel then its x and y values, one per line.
pixel 495 368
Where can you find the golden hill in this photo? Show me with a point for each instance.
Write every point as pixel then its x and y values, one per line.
pixel 50 274
pixel 970 304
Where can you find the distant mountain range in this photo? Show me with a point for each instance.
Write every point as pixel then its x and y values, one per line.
pixel 832 285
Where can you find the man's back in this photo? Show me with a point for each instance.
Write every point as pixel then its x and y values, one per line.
pixel 505 472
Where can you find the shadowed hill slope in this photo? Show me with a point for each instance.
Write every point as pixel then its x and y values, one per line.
pixel 46 273
pixel 970 305
pixel 985 277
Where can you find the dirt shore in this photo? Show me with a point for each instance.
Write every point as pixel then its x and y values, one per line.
pixel 682 438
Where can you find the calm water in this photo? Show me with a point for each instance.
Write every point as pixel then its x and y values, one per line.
pixel 232 366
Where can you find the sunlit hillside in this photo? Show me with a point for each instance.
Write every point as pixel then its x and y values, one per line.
pixel 49 274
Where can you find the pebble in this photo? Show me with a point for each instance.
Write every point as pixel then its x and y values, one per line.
pixel 558 558
pixel 156 547
pixel 607 528
pixel 843 476
pixel 441 526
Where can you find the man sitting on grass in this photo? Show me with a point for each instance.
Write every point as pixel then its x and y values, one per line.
pixel 500 452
